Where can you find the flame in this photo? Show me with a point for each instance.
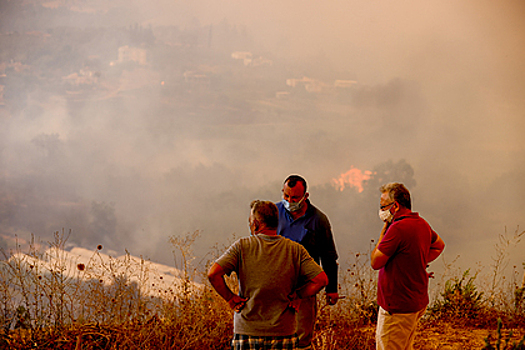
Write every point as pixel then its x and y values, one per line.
pixel 352 178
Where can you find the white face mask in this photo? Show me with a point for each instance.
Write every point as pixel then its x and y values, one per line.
pixel 291 207
pixel 385 215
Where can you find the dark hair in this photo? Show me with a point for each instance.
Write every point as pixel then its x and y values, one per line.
pixel 399 193
pixel 266 212
pixel 292 180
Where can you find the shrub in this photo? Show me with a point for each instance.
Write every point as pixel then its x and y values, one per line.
pixel 460 302
pixel 498 341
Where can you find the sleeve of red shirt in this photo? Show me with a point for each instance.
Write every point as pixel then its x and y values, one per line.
pixel 390 242
pixel 434 236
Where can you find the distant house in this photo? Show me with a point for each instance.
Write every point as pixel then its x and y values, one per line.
pixel 249 60
pixel 296 82
pixel 310 85
pixel 83 78
pixel 196 79
pixel 344 83
pixel 132 54
pixel 260 61
pixel 246 57
pixel 241 55
pixel 282 95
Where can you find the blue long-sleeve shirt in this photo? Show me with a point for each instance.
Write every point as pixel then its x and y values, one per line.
pixel 314 232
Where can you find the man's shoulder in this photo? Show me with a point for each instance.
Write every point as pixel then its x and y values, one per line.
pixel 247 239
pixel 243 241
pixel 289 242
pixel 280 207
pixel 407 225
pixel 314 212
pixel 256 239
pixel 409 219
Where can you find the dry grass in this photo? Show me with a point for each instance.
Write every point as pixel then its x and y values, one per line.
pixel 108 303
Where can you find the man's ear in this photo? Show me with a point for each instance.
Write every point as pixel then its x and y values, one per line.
pixel 396 206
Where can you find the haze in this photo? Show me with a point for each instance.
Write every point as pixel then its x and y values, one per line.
pixel 142 152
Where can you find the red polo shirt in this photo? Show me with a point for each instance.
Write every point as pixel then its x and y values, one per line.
pixel 403 281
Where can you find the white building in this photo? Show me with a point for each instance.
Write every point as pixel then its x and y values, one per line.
pixel 344 83
pixel 310 85
pixel 132 54
pixel 241 55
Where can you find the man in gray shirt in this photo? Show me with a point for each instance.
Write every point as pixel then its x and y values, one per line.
pixel 270 269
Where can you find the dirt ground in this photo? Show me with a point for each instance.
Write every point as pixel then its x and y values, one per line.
pixel 451 337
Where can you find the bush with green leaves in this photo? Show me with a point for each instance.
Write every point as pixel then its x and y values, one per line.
pixel 460 301
pixel 508 344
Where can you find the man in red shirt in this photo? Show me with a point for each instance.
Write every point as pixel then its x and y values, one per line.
pixel 406 245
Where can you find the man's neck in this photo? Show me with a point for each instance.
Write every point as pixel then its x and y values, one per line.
pixel 402 212
pixel 267 232
pixel 297 214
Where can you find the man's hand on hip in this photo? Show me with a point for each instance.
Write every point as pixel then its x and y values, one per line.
pixel 237 303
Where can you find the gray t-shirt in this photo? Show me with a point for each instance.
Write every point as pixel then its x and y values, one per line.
pixel 269 269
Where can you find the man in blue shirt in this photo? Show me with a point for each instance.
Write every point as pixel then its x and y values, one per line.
pixel 302 222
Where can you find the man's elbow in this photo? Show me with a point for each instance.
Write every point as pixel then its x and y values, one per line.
pixel 215 272
pixel 211 277
pixel 323 279
pixel 319 282
pixel 440 249
pixel 438 246
pixel 375 265
pixel 378 259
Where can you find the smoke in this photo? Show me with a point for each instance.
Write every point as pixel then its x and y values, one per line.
pixel 145 152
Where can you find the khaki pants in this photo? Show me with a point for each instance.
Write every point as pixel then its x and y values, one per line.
pixel 306 317
pixel 396 331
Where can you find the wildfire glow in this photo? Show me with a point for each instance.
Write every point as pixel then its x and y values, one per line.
pixel 352 178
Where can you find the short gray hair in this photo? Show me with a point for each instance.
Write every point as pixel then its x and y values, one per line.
pixel 266 212
pixel 398 192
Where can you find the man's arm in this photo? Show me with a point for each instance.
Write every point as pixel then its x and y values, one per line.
pixel 436 249
pixel 377 258
pixel 216 278
pixel 331 268
pixel 313 286
pixel 328 259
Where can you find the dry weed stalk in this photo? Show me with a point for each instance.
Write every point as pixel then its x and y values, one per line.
pixel 359 286
pixel 105 300
pixel 500 263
